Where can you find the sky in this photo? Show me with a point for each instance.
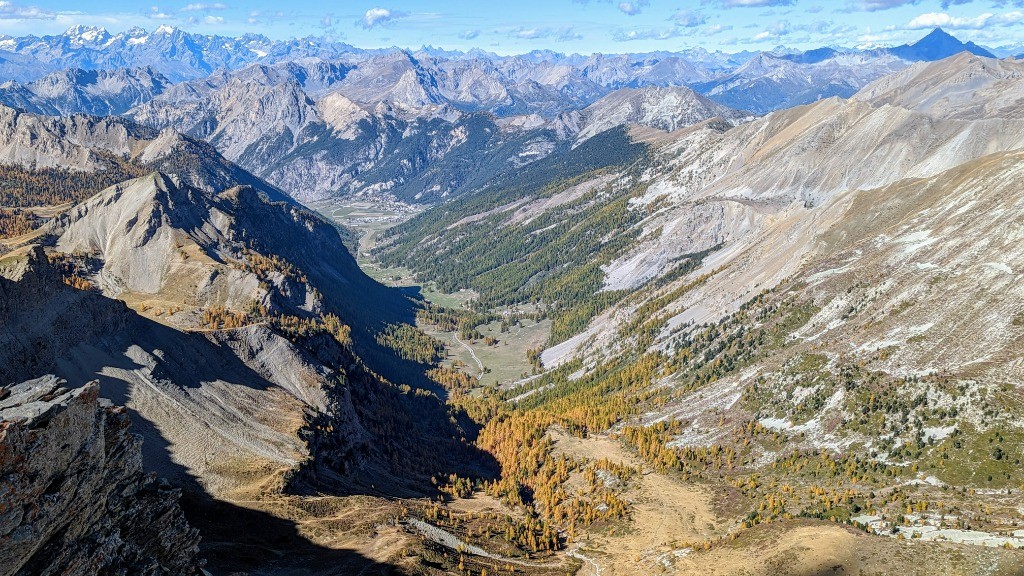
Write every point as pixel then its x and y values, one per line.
pixel 568 26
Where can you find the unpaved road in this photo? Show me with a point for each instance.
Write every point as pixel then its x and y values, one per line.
pixel 479 364
pixel 449 540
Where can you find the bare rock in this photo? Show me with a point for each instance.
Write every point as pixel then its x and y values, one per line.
pixel 73 496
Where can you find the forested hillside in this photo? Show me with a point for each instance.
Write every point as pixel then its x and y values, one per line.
pixel 538 236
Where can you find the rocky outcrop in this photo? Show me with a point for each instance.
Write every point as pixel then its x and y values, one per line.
pixel 661 108
pixel 73 496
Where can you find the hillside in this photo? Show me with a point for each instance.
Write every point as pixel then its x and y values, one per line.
pixel 969 88
pixel 778 315
pixel 255 358
pixel 334 146
pixel 71 158
pixel 94 92
pixel 667 109
pixel 712 187
pixel 349 143
pixel 772 81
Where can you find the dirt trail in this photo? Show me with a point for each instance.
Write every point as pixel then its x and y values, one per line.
pixel 590 566
pixel 233 329
pixel 447 539
pixel 479 364
pixel 666 515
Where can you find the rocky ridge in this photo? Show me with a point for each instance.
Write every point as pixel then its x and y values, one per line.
pixel 76 499
pixel 94 92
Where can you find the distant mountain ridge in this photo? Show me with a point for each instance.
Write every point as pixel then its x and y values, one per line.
pixel 542 81
pixel 320 118
pixel 96 92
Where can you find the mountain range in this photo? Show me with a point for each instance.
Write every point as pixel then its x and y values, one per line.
pixel 682 313
pixel 319 119
pixel 538 82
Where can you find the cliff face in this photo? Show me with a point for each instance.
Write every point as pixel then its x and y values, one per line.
pixel 73 496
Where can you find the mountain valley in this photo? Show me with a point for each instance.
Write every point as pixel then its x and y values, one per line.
pixel 295 307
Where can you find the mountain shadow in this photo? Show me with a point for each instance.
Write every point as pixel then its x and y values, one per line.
pixel 235 406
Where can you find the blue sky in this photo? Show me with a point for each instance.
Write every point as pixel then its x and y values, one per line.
pixel 582 26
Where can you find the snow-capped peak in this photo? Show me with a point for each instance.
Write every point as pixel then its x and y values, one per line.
pixel 87 34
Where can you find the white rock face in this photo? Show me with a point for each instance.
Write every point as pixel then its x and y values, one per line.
pixel 137 229
pixel 341 114
pixel 666 109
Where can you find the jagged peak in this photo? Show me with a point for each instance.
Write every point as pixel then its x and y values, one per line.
pixel 936 45
pixel 88 32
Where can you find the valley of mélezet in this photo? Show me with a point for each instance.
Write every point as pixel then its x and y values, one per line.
pixel 273 304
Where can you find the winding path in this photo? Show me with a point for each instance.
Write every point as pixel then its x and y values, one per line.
pixel 449 540
pixel 575 553
pixel 479 364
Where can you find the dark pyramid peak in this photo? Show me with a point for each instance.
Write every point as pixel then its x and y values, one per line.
pixel 937 45
pixel 937 35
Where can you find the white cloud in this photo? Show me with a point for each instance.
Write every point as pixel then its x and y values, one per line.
pixel 11 11
pixel 688 18
pixel 876 5
pixel 531 33
pixel 756 3
pixel 774 32
pixel 645 34
pixel 944 20
pixel 632 8
pixel 156 14
pixel 380 17
pixel 563 34
pixel 568 34
pixel 202 7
